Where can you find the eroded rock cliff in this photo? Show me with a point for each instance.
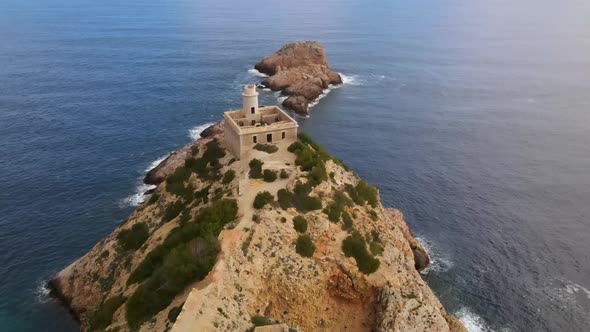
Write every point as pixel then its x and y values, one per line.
pixel 300 70
pixel 317 253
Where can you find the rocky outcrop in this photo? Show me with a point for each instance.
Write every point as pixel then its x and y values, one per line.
pixel 156 175
pixel 421 258
pixel 300 70
pixel 258 275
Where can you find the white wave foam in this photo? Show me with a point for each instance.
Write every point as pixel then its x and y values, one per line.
pixel 439 261
pixel 155 163
pixel 139 196
pixel 195 133
pixel 575 288
pixel 255 72
pixel 471 321
pixel 323 95
pixel 42 292
pixel 351 79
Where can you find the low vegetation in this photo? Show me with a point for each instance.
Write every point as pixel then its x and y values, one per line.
pixel 355 246
pixel 299 198
pixel 262 199
pixel 284 174
pixel 304 246
pixel 255 168
pixel 187 254
pixel 335 209
pixel 363 193
pixel 174 312
pixel 229 176
pixel 133 238
pixel 269 176
pixel 268 148
pixel 103 315
pixel 300 224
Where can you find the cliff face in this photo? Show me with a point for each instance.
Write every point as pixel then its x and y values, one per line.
pixel 321 255
pixel 300 70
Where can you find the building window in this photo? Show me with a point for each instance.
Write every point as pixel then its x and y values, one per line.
pixel 283 135
pixel 252 109
pixel 253 122
pixel 254 139
pixel 269 138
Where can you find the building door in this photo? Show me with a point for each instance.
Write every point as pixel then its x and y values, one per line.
pixel 269 138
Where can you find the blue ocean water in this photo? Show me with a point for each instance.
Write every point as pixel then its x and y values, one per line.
pixel 471 117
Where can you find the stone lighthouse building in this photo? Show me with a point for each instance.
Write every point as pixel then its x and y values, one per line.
pixel 255 124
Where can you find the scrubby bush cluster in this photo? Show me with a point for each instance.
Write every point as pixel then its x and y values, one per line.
pixel 229 176
pixel 335 209
pixel 363 193
pixel 187 254
pixel 269 176
pixel 299 198
pixel 262 199
pixel 300 224
pixel 355 246
pixel 206 168
pixel 304 246
pixel 255 168
pixel 103 315
pixel 284 174
pixel 268 148
pixel 133 238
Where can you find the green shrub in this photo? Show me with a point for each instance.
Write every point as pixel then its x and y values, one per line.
pixel 304 246
pixel 173 210
pixel 347 220
pixel 202 196
pixel 154 198
pixel 262 199
pixel 284 174
pixel 283 220
pixel 184 264
pixel 207 167
pixel 334 210
pixel 261 321
pixel 255 168
pixel 103 315
pixel 268 148
pixel 299 198
pixel 269 176
pixel 133 238
pixel 317 174
pixel 229 176
pixel 195 150
pixel 294 147
pixel 174 312
pixel 300 224
pixel 376 248
pixel 355 246
pixel 208 222
pixel 363 193
pixel 373 215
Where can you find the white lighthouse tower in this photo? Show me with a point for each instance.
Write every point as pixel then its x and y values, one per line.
pixel 250 102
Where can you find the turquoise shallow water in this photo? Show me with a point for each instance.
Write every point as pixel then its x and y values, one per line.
pixel 472 118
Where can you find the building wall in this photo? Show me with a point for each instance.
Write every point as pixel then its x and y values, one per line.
pixel 247 142
pixel 232 139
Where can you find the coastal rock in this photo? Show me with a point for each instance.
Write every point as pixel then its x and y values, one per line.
pixel 158 174
pixel 421 258
pixel 212 130
pixel 300 70
pixel 257 272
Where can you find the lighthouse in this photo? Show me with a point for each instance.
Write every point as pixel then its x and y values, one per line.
pixel 250 102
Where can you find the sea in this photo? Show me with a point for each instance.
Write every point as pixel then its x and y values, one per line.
pixel 471 117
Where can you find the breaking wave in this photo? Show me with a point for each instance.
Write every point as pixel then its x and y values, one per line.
pixel 472 322
pixel 439 261
pixel 195 133
pixel 255 72
pixel 42 292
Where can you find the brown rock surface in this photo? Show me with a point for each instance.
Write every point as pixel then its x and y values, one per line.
pixel 298 69
pixel 258 272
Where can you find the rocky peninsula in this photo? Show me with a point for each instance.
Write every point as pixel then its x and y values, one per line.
pixel 233 245
pixel 300 70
